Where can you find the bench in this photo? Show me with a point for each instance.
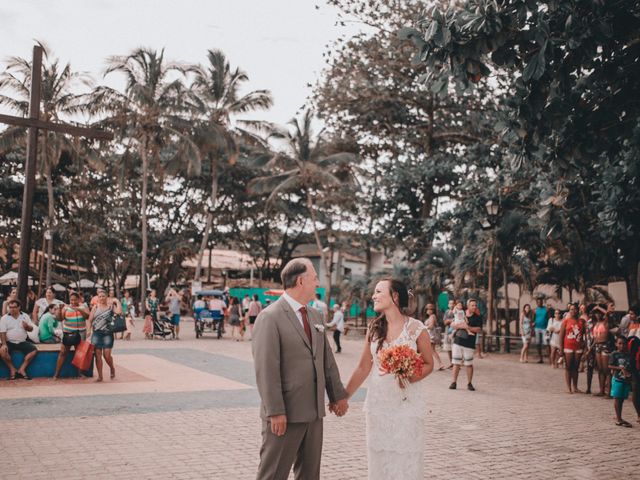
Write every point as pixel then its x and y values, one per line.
pixel 44 364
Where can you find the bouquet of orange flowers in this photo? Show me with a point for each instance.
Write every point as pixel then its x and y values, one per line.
pixel 403 362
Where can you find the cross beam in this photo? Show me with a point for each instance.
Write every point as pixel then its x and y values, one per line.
pixel 56 127
pixel 34 123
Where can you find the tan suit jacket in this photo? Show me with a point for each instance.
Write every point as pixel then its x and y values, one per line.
pixel 292 374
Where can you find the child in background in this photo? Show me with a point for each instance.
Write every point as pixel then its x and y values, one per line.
pixel 147 328
pixel 619 364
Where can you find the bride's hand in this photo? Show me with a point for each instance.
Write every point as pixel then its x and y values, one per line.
pixel 382 372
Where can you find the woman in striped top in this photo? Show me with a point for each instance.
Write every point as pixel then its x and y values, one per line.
pixel 74 328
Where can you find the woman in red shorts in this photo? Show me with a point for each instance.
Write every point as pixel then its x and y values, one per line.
pixel 572 344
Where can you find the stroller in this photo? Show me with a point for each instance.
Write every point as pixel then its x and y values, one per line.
pixel 162 327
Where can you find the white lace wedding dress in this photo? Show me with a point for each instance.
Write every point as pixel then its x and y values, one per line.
pixel 395 427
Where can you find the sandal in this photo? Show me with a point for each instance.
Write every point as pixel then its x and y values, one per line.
pixel 26 377
pixel 13 377
pixel 624 423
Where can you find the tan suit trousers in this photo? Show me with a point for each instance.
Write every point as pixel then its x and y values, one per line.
pixel 300 446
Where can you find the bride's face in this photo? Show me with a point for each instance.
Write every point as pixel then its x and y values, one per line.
pixel 382 297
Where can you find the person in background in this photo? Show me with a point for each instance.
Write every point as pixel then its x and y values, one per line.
pixel 101 335
pixel 198 306
pixel 572 343
pixel 173 299
pixel 633 349
pixel 321 307
pixel 42 304
pixel 13 336
pixel 447 336
pixel 620 366
pixel 526 323
pixel 630 318
pixel 540 315
pixel 252 312
pixel 464 341
pixel 431 322
pixel 129 312
pixel 589 356
pixel 13 295
pixel 74 328
pixel 338 324
pixel 602 349
pixel 245 305
pixel 235 313
pixel 147 327
pixel 48 324
pixel 555 323
pixel 152 303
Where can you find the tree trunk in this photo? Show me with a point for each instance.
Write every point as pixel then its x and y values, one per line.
pixel 323 257
pixel 632 284
pixel 143 220
pixel 209 224
pixel 507 315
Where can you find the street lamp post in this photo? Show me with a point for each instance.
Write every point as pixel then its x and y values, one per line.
pixel 493 209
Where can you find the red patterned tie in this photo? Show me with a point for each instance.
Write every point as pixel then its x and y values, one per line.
pixel 305 322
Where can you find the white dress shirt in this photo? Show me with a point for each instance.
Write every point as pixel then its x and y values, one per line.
pixel 296 307
pixel 338 321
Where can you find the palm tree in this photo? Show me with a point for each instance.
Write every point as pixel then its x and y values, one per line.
pixel 147 117
pixel 308 166
pixel 216 102
pixel 58 100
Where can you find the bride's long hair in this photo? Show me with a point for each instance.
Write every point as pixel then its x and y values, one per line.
pixel 400 296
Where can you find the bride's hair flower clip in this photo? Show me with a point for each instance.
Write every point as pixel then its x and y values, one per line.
pixel 410 292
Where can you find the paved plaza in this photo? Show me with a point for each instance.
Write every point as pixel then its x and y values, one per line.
pixel 188 409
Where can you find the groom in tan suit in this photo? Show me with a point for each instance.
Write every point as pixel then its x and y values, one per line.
pixel 294 366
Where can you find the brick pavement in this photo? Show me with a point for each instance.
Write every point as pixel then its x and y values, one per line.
pixel 518 424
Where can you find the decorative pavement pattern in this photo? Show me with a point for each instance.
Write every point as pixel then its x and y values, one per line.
pixel 188 409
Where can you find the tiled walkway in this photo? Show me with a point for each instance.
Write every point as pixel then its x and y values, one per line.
pixel 188 410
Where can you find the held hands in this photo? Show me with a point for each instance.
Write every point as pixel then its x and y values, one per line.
pixel 339 408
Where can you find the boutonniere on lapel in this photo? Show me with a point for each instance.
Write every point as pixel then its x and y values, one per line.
pixel 319 328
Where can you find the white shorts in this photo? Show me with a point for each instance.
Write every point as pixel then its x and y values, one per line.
pixel 460 355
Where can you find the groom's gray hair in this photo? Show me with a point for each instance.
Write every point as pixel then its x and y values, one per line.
pixel 292 270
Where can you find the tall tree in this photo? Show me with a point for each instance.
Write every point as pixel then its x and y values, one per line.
pixel 147 118
pixel 216 103
pixel 309 166
pixel 575 66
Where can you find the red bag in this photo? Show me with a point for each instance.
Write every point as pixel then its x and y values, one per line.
pixel 83 356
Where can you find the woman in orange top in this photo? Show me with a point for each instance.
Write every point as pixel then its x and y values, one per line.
pixel 572 344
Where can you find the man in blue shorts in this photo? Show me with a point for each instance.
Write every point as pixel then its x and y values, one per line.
pixel 174 311
pixel 540 326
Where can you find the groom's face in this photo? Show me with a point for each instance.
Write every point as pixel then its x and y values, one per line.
pixel 308 283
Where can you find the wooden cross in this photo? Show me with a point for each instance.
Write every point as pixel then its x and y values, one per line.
pixel 34 124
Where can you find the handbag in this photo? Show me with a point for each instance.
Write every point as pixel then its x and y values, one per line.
pixel 83 356
pixel 118 324
pixel 70 339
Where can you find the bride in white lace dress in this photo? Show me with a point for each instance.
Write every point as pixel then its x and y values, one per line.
pixel 395 417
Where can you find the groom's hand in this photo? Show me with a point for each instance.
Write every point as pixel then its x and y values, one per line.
pixel 278 425
pixel 340 407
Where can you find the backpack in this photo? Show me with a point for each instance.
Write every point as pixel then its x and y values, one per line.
pixel 633 347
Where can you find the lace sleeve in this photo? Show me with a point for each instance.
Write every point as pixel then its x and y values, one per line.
pixel 415 328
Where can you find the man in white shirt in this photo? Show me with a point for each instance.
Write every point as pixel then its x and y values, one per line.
pixel 13 334
pixel 338 323
pixel 320 306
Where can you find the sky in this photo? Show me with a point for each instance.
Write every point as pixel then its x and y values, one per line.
pixel 278 43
